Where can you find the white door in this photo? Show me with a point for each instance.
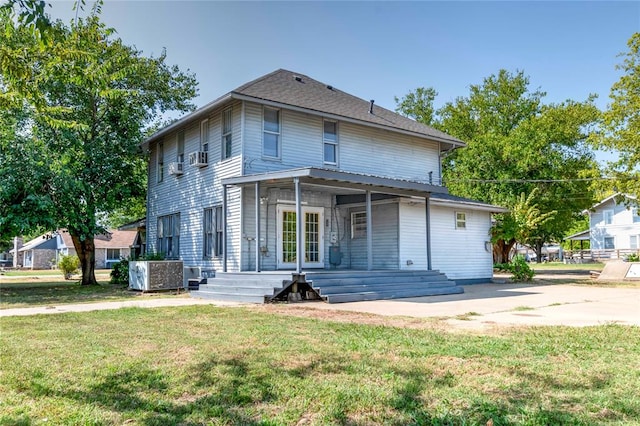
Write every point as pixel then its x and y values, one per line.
pixel 312 238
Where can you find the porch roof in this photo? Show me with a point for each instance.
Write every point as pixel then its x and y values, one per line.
pixel 340 179
pixel 583 235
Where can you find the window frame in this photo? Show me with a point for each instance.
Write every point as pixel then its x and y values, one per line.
pixel 168 235
pixel 460 221
pixel 180 137
pixel 604 217
pixel 613 243
pixel 278 134
pixel 212 232
pixel 334 143
pixel 634 242
pixel 634 215
pixel 107 258
pixel 160 162
pixel 226 145
pixel 204 135
pixel 358 224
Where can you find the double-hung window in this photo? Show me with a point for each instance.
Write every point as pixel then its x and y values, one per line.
pixel 609 243
pixel 180 151
pixel 271 132
pixel 169 235
pixel 213 232
pixel 204 135
pixel 358 225
pixel 608 217
pixel 160 162
pixel 227 146
pixel 113 254
pixel 461 220
pixel 635 215
pixel 633 242
pixel 330 141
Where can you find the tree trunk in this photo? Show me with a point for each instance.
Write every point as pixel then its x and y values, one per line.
pixel 502 250
pixel 86 251
pixel 538 247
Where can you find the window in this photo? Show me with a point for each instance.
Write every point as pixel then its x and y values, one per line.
pixel 213 232
pixel 204 135
pixel 113 254
pixel 633 242
pixel 461 220
pixel 180 154
pixel 609 243
pixel 635 218
pixel 169 235
pixel 227 147
pixel 330 139
pixel 359 225
pixel 160 162
pixel 608 217
pixel 271 132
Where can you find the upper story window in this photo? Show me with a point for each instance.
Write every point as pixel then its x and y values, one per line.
pixel 608 217
pixel 635 217
pixel 359 225
pixel 461 220
pixel 227 146
pixel 204 135
pixel 169 235
pixel 330 140
pixel 160 162
pixel 180 151
pixel 271 132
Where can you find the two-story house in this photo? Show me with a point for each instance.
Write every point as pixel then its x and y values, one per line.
pixel 614 227
pixel 286 176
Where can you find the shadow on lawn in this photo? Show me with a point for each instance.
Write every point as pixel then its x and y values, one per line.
pixel 229 390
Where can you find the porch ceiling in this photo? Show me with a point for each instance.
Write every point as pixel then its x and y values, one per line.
pixel 339 179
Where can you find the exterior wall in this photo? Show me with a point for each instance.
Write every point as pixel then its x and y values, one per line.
pixel 459 253
pixel 43 258
pixel 621 229
pixel 101 256
pixel 360 149
pixel 384 221
pixel 197 189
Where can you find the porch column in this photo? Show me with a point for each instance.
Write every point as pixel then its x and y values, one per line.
pixel 257 226
pixel 299 230
pixel 224 228
pixel 369 234
pixel 427 208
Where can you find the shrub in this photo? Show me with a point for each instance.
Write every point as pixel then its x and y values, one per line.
pixel 633 257
pixel 120 272
pixel 520 269
pixel 69 265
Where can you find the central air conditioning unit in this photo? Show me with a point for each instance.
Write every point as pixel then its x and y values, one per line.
pixel 199 158
pixel 176 169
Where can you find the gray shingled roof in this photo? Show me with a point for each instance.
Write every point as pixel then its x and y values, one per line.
pixel 298 90
pixel 283 88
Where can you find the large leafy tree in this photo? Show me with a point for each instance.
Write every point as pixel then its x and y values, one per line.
pixel 516 145
pixel 78 102
pixel 622 121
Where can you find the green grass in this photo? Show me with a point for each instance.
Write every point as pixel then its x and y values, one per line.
pixel 228 366
pixel 23 294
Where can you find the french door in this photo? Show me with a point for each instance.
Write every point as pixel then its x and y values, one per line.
pixel 312 237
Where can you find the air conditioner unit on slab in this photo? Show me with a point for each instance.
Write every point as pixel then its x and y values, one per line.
pixel 198 158
pixel 176 168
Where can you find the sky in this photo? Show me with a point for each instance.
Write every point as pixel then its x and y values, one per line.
pixel 380 50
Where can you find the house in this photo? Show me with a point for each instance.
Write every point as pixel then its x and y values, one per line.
pixel 293 179
pixel 45 251
pixel 139 246
pixel 614 227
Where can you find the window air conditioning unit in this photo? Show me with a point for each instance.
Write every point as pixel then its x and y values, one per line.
pixel 176 169
pixel 198 158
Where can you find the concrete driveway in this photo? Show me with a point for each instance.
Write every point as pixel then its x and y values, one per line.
pixel 488 305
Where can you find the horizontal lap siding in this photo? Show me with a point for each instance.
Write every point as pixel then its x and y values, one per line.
pixel 384 219
pixel 461 253
pixel 621 229
pixel 413 236
pixel 197 189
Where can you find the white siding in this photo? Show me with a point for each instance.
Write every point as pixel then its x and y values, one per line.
pixel 459 253
pixel 197 189
pixel 621 229
pixel 384 218
pixel 360 149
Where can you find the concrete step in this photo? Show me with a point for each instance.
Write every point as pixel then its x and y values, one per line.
pixel 363 296
pixel 365 274
pixel 387 280
pixel 382 287
pixel 240 289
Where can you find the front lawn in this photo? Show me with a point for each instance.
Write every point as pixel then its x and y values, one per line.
pixel 252 366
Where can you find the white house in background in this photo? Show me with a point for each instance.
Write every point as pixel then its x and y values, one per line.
pixel 286 176
pixel 615 225
pixel 45 251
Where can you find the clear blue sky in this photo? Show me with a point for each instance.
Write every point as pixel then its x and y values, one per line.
pixel 378 50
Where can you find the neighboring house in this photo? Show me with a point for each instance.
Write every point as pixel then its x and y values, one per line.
pixel 614 226
pixel 139 246
pixel 286 173
pixel 45 251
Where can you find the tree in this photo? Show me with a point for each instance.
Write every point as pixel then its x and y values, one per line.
pixel 515 144
pixel 622 121
pixel 81 101
pixel 418 105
